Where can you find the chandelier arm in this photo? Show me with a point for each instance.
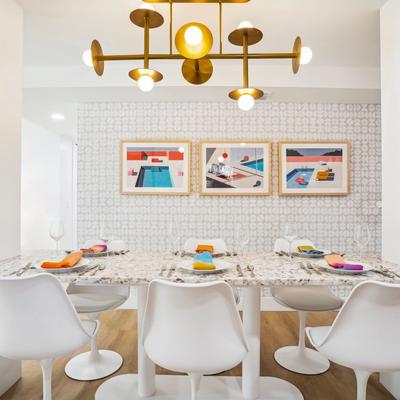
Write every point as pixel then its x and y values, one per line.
pixel 245 60
pixel 228 56
pixel 170 25
pixel 220 26
pixel 146 42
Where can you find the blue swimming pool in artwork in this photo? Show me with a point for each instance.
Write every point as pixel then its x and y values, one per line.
pixel 304 174
pixel 256 164
pixel 158 177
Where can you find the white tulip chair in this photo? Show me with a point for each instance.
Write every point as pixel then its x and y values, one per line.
pixel 92 300
pixel 303 299
pixel 193 328
pixel 38 322
pixel 365 334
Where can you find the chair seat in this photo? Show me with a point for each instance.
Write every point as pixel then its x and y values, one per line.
pixel 306 298
pixel 90 326
pixel 317 334
pixel 87 303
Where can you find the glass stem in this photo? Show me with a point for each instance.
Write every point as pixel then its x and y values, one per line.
pixel 57 247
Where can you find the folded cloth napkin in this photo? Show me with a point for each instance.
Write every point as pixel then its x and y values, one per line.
pixel 204 247
pixel 336 261
pixel 67 262
pixel 98 248
pixel 309 250
pixel 204 261
pixel 198 265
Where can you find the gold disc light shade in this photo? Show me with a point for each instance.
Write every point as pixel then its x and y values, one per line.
pixel 97 51
pixel 238 93
pixel 297 51
pixel 197 72
pixel 137 73
pixel 194 52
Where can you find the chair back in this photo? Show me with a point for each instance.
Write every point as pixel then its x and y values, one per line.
pixel 193 327
pixel 38 320
pixel 366 332
pixel 282 244
pixel 80 287
pixel 191 244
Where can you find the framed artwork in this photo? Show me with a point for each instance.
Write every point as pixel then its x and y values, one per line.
pixel 314 168
pixel 235 168
pixel 155 167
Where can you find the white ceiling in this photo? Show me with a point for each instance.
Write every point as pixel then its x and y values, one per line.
pixel 342 33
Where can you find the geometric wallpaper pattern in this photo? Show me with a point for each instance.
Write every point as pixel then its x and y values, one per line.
pixel 162 222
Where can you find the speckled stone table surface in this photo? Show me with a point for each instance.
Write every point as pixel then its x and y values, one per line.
pixel 261 269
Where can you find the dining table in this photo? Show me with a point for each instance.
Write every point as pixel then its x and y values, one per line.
pixel 252 273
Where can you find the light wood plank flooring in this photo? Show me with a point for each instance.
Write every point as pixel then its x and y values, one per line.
pixel 118 332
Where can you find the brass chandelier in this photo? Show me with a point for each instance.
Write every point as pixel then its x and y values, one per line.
pixel 193 42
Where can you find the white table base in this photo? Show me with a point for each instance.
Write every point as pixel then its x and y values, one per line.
pixel 125 387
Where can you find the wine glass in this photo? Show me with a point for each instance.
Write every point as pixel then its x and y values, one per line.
pixel 56 232
pixel 105 234
pixel 289 234
pixel 242 238
pixel 362 236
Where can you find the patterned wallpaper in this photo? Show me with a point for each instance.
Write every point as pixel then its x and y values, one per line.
pixel 159 222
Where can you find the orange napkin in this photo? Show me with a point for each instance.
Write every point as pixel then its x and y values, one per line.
pixel 67 262
pixel 204 247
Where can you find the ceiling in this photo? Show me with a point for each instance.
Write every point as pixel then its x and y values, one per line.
pixel 342 33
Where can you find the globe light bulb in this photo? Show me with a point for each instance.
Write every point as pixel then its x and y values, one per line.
pixel 246 102
pixel 145 83
pixel 220 159
pixel 306 55
pixel 147 6
pixel 181 150
pixel 245 24
pixel 87 58
pixel 193 36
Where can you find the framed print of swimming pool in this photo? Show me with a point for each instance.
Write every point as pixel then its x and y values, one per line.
pixel 235 168
pixel 314 168
pixel 155 167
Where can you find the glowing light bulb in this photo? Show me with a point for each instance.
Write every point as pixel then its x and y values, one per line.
pixel 245 24
pixel 181 150
pixel 57 116
pixel 145 83
pixel 193 35
pixel 220 159
pixel 306 55
pixel 147 6
pixel 87 58
pixel 246 102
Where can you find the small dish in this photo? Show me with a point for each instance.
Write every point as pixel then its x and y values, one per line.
pixel 303 255
pixel 221 266
pixel 326 267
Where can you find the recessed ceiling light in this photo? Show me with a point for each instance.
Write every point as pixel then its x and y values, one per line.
pixel 58 117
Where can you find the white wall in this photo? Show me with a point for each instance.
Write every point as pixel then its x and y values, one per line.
pixel 40 185
pixel 10 119
pixel 46 186
pixel 390 55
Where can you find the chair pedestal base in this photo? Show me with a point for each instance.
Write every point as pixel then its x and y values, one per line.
pixel 303 361
pixel 89 366
pixel 125 387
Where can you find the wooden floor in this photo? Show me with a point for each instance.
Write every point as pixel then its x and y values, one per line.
pixel 118 332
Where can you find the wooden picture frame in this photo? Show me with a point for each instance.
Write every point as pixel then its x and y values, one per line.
pixel 235 168
pixel 320 168
pixel 155 167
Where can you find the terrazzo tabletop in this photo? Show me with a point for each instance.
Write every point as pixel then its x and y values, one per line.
pixel 261 269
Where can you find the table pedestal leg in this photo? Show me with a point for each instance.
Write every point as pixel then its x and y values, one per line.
pixel 251 323
pixel 146 368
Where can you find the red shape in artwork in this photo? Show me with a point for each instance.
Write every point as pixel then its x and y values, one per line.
pixel 299 180
pixel 225 155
